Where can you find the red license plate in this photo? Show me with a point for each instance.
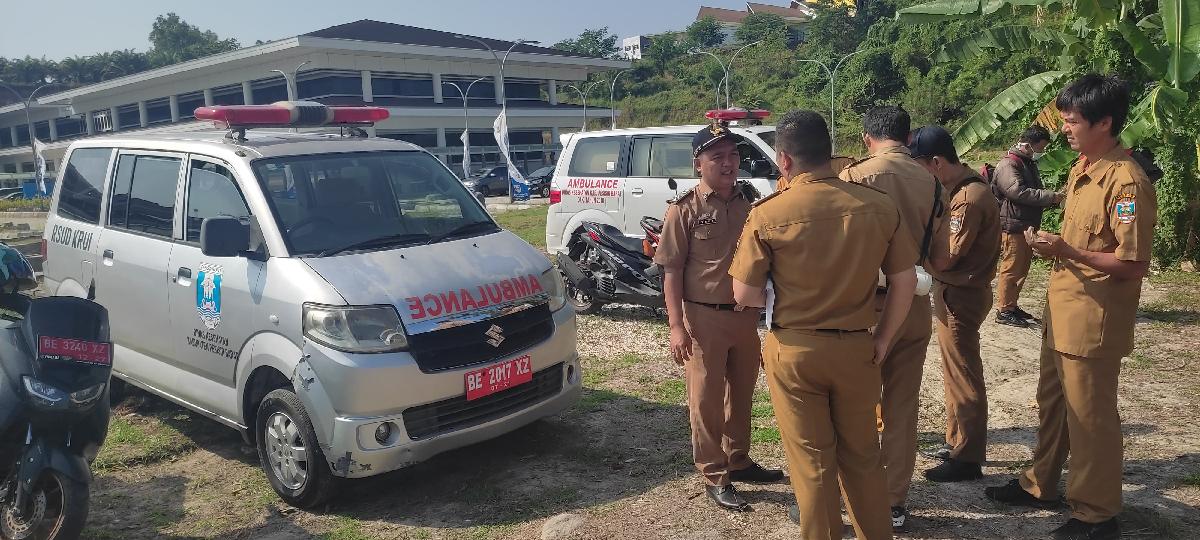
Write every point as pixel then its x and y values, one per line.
pixel 489 380
pixel 90 352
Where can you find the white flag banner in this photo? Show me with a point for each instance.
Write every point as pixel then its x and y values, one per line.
pixel 466 140
pixel 39 165
pixel 500 130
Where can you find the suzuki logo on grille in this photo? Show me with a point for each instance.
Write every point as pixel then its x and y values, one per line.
pixel 495 335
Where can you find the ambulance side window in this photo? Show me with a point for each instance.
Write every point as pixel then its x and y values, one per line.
pixel 212 192
pixel 143 198
pixel 82 184
pixel 596 156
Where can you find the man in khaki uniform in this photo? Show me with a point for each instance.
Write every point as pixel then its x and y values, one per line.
pixel 1092 298
pixel 921 202
pixel 715 341
pixel 822 242
pixel 837 163
pixel 962 296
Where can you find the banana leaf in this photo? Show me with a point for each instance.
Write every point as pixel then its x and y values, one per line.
pixel 1155 113
pixel 1098 12
pixel 947 10
pixel 1007 103
pixel 1007 38
pixel 1181 25
pixel 1144 49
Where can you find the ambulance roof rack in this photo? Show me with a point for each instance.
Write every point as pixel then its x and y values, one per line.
pixel 738 116
pixel 289 114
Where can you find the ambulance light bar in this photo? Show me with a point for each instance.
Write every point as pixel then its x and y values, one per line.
pixel 736 114
pixel 289 114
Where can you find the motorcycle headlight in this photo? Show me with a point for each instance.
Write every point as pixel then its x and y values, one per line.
pixel 552 283
pixel 87 396
pixel 43 394
pixel 367 329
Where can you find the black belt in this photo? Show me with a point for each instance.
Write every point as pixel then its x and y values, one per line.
pixel 718 307
pixel 825 330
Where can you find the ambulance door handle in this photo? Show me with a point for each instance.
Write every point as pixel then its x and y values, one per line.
pixel 107 259
pixel 637 191
pixel 183 276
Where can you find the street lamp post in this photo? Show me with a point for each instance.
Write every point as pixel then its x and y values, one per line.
pixel 832 74
pixel 466 164
pixel 503 94
pixel 583 94
pixel 724 69
pixel 28 118
pixel 612 93
pixel 290 81
pixel 729 71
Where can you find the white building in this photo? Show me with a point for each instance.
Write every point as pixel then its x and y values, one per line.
pixel 797 14
pixel 632 47
pixel 411 71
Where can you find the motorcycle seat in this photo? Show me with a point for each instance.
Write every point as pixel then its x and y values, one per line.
pixel 615 235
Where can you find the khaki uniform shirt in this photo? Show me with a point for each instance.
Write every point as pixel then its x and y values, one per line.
pixel 822 242
pixel 699 234
pixel 1110 208
pixel 974 232
pixel 910 185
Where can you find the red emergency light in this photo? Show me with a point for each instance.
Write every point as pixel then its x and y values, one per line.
pixel 289 114
pixel 737 114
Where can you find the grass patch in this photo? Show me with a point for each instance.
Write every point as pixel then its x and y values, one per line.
pixel 762 410
pixel 765 435
pixel 673 391
pixel 594 377
pixel 1191 480
pixel 1138 360
pixel 26 205
pixel 630 359
pixel 136 440
pixel 347 528
pixel 529 224
pixel 593 399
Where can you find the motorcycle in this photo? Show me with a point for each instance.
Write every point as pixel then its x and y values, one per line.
pixel 55 364
pixel 602 266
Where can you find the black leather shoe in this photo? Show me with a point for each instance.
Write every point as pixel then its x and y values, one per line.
pixel 953 470
pixel 794 513
pixel 1010 318
pixel 941 452
pixel 1024 314
pixel 1079 530
pixel 1013 494
pixel 756 474
pixel 728 498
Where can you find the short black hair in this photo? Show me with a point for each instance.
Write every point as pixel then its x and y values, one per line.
pixel 804 135
pixel 1095 96
pixel 1034 134
pixel 888 122
pixel 931 141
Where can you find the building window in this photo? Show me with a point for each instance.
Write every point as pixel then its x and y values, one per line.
pixel 424 140
pixel 129 117
pixel 523 90
pixel 410 86
pixel 228 95
pixel 5 137
pixel 42 130
pixel 27 167
pixel 270 91
pixel 188 103
pixel 483 90
pixel 22 135
pixel 158 111
pixel 10 168
pixel 334 85
pixel 69 126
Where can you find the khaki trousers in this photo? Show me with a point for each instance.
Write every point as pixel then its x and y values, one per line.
pixel 902 398
pixel 721 374
pixel 1077 414
pixel 958 314
pixel 1015 257
pixel 824 390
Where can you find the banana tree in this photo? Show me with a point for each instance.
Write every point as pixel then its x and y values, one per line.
pixel 1166 44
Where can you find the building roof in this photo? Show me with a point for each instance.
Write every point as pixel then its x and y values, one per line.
pixel 785 12
pixel 384 32
pixel 722 14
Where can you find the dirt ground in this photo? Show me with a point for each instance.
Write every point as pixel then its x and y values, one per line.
pixel 619 461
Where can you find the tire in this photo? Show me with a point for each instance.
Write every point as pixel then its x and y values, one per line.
pixel 545 192
pixel 118 390
pixel 583 304
pixel 281 423
pixel 63 507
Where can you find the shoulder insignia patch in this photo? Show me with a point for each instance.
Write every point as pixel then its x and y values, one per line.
pixel 749 191
pixel 1125 209
pixel 956 221
pixel 681 196
pixel 765 199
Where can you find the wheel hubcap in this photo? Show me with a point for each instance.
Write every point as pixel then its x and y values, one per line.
pixel 286 453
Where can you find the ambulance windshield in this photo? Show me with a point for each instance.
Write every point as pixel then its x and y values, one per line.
pixel 333 203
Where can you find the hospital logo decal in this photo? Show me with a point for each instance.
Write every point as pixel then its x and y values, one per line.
pixel 1126 209
pixel 208 295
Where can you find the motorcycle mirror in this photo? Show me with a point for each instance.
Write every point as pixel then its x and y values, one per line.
pixel 671 183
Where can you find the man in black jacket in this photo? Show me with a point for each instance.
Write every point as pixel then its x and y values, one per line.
pixel 1018 185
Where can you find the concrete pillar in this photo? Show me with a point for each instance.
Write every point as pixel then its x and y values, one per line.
pixel 53 129
pixel 437 90
pixel 89 123
pixel 247 93
pixel 554 135
pixel 368 88
pixel 143 115
pixel 12 134
pixel 552 90
pixel 115 116
pixel 499 85
pixel 173 102
pixel 208 98
pixel 441 142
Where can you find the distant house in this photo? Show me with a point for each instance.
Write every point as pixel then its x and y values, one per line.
pixel 797 14
pixel 632 47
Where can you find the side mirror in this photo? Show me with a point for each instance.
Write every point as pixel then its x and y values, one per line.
pixel 224 236
pixel 672 184
pixel 761 168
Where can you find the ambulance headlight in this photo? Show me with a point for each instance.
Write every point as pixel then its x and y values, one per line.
pixel 358 329
pixel 552 283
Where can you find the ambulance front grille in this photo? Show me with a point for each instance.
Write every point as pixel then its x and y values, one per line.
pixel 457 413
pixel 467 345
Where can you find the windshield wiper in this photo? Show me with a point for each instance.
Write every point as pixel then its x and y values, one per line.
pixel 391 239
pixel 466 227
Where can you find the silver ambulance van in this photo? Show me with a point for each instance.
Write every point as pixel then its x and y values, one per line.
pixel 343 301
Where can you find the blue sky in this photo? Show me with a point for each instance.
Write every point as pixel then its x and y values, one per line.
pixel 84 27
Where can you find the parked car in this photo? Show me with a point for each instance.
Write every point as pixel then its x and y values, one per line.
pixel 340 300
pixel 539 181
pixel 489 182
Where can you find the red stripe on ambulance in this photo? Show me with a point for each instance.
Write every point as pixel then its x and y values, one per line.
pixel 462 300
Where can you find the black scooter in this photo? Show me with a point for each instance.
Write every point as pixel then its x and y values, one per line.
pixel 602 265
pixel 55 364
